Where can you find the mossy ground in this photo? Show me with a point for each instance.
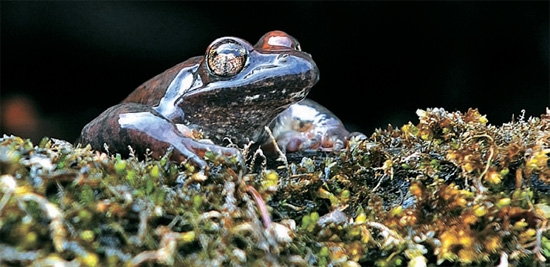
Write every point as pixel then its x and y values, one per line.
pixel 449 190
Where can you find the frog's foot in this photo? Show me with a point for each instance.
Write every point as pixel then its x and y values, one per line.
pixel 293 141
pixel 357 136
pixel 195 151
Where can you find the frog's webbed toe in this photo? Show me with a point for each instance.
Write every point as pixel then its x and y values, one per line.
pixel 195 150
pixel 200 146
pixel 357 135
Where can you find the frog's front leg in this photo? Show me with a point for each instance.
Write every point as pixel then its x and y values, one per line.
pixel 141 127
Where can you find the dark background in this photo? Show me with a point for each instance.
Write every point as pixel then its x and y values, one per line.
pixel 62 63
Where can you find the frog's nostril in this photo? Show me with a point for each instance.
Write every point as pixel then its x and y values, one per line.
pixel 282 58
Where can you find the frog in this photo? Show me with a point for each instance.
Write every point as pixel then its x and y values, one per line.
pixel 228 95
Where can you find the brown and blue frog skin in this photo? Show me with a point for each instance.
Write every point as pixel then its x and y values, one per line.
pixel 230 93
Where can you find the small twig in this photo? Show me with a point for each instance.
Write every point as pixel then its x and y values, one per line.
pixel 261 206
pixel 282 156
pixel 378 184
pixel 489 161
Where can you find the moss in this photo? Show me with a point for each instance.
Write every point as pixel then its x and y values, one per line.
pixel 449 190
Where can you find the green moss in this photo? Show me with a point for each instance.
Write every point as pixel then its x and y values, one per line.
pixel 449 190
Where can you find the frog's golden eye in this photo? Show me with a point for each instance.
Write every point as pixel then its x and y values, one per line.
pixel 226 57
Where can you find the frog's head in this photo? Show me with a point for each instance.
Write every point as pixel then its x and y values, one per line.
pixel 240 88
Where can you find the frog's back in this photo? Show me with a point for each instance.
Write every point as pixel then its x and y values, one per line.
pixel 150 92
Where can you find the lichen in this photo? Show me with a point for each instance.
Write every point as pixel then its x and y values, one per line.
pixel 451 189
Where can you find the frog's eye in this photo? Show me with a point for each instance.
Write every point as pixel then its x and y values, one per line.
pixel 226 57
pixel 278 40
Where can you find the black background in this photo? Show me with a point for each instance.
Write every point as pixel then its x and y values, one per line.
pixel 379 61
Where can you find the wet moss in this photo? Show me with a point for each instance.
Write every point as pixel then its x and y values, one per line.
pixel 451 189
